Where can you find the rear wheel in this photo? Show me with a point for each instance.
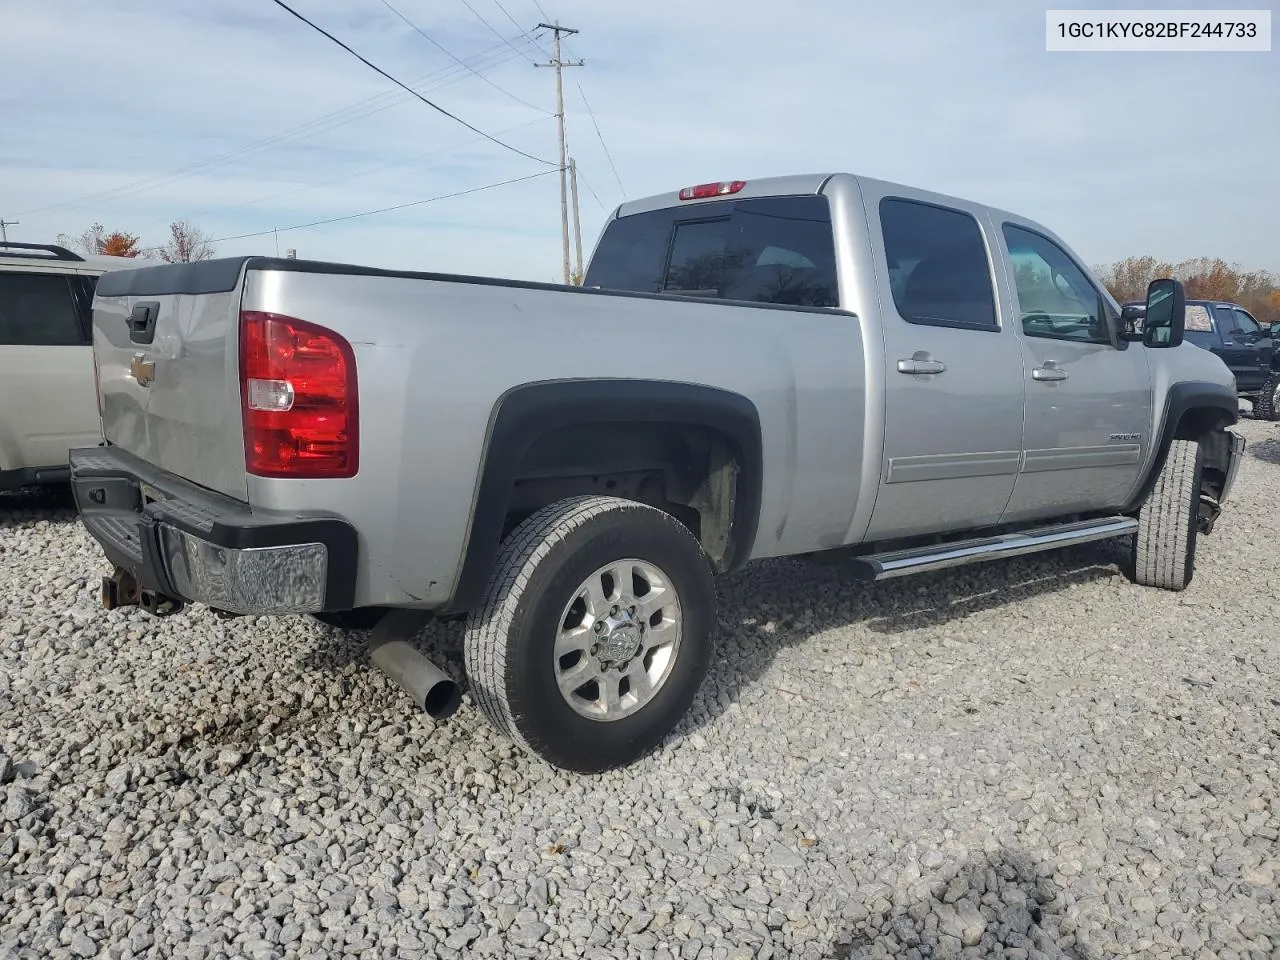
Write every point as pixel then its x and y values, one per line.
pixel 595 632
pixel 1265 404
pixel 1164 548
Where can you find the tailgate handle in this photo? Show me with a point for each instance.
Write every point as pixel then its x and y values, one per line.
pixel 142 321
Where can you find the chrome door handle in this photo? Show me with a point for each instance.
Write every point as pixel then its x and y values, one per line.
pixel 1049 371
pixel 921 363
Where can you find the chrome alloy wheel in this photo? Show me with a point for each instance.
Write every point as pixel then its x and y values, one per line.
pixel 619 638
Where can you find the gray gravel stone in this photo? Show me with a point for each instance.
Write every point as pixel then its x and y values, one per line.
pixel 19 803
pixel 1029 759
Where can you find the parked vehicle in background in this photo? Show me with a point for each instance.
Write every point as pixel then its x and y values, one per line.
pixel 48 398
pixel 752 369
pixel 1247 348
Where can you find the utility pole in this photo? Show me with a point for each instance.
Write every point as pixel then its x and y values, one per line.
pixel 559 63
pixel 577 224
pixel 4 229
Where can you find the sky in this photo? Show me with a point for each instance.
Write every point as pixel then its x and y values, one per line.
pixel 240 118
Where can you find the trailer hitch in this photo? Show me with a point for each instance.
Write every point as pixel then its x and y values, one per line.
pixel 121 590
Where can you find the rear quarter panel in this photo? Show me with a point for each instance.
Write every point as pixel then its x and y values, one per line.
pixel 435 356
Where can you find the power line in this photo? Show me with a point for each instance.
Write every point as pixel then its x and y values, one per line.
pixel 324 122
pixel 449 54
pixel 492 28
pixel 361 173
pixel 591 113
pixel 591 190
pixel 433 106
pixel 607 154
pixel 516 22
pixel 370 213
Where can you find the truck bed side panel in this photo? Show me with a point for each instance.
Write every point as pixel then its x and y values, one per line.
pixel 435 356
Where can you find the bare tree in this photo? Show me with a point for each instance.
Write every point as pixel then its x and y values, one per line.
pixel 90 241
pixel 187 243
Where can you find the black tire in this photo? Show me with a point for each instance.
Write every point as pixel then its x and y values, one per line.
pixel 363 618
pixel 1264 406
pixel 510 639
pixel 1164 548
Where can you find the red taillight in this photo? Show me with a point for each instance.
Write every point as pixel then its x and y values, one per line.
pixel 704 190
pixel 299 399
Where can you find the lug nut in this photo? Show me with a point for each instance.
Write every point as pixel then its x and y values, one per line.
pixel 595 648
pixel 599 627
pixel 631 610
pixel 613 611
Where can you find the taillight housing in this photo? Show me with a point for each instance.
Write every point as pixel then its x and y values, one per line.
pixel 704 190
pixel 299 399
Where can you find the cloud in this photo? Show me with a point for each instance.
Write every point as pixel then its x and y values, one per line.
pixel 239 114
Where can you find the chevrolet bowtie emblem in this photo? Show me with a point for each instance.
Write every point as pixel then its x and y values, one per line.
pixel 142 369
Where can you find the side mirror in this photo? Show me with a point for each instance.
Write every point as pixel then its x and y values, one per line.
pixel 1166 314
pixel 1131 322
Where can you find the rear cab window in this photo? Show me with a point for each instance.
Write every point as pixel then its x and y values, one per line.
pixel 45 309
pixel 777 250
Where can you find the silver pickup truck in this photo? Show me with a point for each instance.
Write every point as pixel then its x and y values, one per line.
pixel 799 365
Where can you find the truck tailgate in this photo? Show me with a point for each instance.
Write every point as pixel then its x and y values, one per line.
pixel 166 344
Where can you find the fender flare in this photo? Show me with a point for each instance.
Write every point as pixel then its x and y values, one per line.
pixel 1181 398
pixel 524 414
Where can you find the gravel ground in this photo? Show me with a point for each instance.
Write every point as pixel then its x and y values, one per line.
pixel 1029 759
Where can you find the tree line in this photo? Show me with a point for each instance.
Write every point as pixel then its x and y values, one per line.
pixel 1258 291
pixel 186 243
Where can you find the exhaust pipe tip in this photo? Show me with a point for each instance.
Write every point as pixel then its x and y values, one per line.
pixel 430 688
pixel 442 700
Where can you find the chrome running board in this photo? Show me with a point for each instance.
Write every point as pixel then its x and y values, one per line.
pixel 901 563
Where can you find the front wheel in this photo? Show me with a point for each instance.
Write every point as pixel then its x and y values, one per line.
pixel 1164 548
pixel 595 632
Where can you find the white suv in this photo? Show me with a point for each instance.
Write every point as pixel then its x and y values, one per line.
pixel 48 399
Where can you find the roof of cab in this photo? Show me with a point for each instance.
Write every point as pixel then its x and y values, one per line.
pixel 802 184
pixel 763 187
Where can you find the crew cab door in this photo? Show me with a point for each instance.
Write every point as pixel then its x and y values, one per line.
pixel 1247 358
pixel 954 384
pixel 1088 419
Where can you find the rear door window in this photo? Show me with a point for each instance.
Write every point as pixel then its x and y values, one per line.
pixel 41 309
pixel 1199 328
pixel 770 250
pixel 939 270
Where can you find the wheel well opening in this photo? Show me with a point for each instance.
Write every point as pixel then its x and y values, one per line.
pixel 691 472
pixel 1208 426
